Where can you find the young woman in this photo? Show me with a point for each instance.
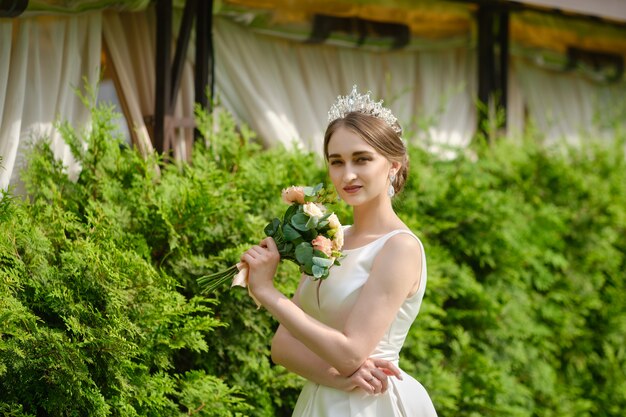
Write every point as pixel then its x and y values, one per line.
pixel 344 334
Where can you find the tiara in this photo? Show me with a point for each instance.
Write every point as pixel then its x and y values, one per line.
pixel 362 103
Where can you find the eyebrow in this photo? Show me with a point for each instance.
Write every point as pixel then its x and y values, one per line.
pixel 358 153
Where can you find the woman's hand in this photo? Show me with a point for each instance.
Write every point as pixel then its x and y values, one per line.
pixel 262 260
pixel 373 376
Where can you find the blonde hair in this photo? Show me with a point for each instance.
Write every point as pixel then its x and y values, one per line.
pixel 379 135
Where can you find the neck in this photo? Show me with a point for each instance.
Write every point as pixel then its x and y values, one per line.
pixel 375 217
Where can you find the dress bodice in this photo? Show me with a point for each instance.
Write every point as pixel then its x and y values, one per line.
pixel 331 300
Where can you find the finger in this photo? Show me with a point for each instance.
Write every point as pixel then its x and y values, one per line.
pixel 377 386
pixel 247 258
pixel 254 253
pixel 382 378
pixel 388 368
pixel 270 244
pixel 258 249
pixel 361 383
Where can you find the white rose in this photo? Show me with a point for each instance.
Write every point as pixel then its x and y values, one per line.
pixel 338 239
pixel 312 210
pixel 333 221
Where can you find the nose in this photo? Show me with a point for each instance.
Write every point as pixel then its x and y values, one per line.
pixel 349 174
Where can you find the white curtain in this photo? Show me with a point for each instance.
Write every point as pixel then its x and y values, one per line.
pixel 42 61
pixel 284 88
pixel 568 106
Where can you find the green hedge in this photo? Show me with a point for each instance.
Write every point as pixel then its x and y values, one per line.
pixel 524 315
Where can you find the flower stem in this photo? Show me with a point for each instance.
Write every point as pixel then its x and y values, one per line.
pixel 209 283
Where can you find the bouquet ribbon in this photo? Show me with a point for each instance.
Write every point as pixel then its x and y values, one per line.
pixel 241 280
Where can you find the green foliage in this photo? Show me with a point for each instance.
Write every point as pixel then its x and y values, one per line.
pixel 526 250
pixel 524 313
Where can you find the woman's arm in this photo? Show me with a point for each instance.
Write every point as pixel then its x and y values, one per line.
pixel 296 357
pixel 391 280
pixel 293 355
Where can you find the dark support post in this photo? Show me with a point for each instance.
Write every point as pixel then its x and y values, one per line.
pixel 168 74
pixel 493 55
pixel 163 71
pixel 503 41
pixel 12 8
pixel 184 34
pixel 205 66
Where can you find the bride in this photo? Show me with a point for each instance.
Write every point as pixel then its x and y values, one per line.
pixel 344 334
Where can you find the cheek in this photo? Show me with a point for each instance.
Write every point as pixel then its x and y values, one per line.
pixel 334 174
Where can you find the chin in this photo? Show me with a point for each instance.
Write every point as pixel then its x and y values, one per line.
pixel 354 200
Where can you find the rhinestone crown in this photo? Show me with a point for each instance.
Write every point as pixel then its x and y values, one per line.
pixel 362 103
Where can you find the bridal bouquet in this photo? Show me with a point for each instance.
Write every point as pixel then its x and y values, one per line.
pixel 308 235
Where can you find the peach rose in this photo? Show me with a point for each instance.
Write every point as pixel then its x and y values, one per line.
pixel 333 221
pixel 312 210
pixel 293 194
pixel 323 244
pixel 338 239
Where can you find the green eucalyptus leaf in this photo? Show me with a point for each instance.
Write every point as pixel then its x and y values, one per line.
pixel 272 227
pixel 307 268
pixel 299 221
pixel 293 209
pixel 318 188
pixel 311 224
pixel 323 262
pixel 290 233
pixel 304 253
pixel 309 191
pixel 288 247
pixel 318 271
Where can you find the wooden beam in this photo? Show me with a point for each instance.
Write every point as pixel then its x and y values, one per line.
pixel 169 75
pixel 493 58
pixel 503 51
pixel 12 8
pixel 182 44
pixel 204 76
pixel 163 71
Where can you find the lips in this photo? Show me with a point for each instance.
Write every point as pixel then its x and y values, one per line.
pixel 352 189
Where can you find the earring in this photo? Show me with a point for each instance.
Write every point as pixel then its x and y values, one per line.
pixel 392 191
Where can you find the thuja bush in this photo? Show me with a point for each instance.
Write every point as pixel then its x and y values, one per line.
pixel 524 313
pixel 99 310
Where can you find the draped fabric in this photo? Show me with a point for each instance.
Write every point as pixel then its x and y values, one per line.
pixel 130 40
pixel 283 88
pixel 568 105
pixel 40 68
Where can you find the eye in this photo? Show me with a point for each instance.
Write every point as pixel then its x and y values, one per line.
pixel 336 162
pixel 363 159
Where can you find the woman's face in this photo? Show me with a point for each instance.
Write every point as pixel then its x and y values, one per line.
pixel 358 171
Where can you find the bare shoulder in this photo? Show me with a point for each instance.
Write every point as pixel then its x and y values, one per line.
pixel 398 264
pixel 401 250
pixel 403 243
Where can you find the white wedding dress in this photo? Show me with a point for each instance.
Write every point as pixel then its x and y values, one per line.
pixel 337 295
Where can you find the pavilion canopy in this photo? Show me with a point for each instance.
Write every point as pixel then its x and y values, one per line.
pixel 80 6
pixel 533 24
